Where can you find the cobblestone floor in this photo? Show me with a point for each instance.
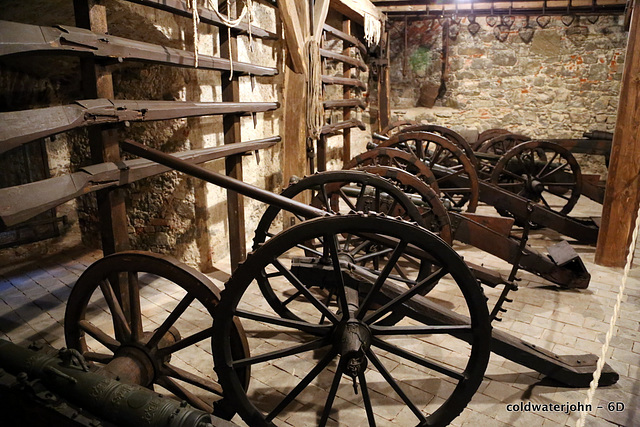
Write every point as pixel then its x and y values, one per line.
pixel 567 322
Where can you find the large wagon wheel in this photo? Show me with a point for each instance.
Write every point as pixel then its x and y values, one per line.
pixel 315 363
pixel 543 172
pixel 435 216
pixel 448 133
pixel 342 192
pixel 500 144
pixel 487 135
pixel 383 156
pixel 397 126
pixel 455 174
pixel 155 336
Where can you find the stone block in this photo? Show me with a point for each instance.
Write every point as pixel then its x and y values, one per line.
pixel 547 43
pixel 504 59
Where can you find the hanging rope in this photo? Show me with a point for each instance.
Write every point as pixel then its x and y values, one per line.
pixel 315 106
pixel 612 324
pixel 372 30
pixel 193 5
pixel 247 10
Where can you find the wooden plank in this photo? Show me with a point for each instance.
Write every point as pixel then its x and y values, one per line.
pixel 623 183
pixel 346 94
pixel 233 164
pixel 294 130
pixel 294 35
pixel 384 87
pixel 356 9
pixel 320 10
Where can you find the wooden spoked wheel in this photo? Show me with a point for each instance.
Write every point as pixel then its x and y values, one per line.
pixel 543 172
pixel 448 133
pixel 384 156
pixel 344 192
pixel 398 126
pixel 160 335
pixel 487 135
pixel 455 174
pixel 337 355
pixel 499 145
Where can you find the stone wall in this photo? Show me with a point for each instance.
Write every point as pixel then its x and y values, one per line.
pixel 563 82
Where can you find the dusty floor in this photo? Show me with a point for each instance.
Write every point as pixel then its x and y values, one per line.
pixel 568 322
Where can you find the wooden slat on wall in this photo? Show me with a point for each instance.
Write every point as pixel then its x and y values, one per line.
pixel 623 182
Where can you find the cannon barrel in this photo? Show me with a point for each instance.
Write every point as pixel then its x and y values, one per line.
pixel 66 375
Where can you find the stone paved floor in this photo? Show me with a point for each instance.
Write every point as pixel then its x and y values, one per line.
pixel 33 295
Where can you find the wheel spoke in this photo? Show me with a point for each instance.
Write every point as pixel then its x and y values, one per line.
pixel 186 342
pixel 313 373
pixel 186 376
pixel 372 255
pixel 295 295
pixel 323 309
pixel 425 283
pixel 331 396
pixel 366 399
pixel 101 336
pixel 417 359
pixel 545 202
pixel 170 320
pixel 122 330
pixel 360 247
pixel 278 354
pixel 420 330
pixel 555 155
pixel 396 387
pixel 319 330
pixel 177 389
pixel 344 197
pixel 134 304
pixel 340 294
pixel 360 198
pixel 393 259
pixel 554 170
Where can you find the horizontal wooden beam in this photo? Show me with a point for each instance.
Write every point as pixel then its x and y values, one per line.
pixel 356 9
pixel 485 7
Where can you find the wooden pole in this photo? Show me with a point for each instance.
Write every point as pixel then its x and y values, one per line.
pixel 346 112
pixel 623 182
pixel 97 82
pixel 233 164
pixel 384 87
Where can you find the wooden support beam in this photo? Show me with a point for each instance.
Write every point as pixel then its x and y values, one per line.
pixel 346 91
pixel 294 34
pixel 103 140
pixel 356 10
pixel 97 82
pixel 320 10
pixel 233 164
pixel 384 86
pixel 622 194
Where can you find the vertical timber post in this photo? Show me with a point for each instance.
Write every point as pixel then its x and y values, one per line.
pixel 346 112
pixel 384 108
pixel 233 164
pixel 97 82
pixel 623 183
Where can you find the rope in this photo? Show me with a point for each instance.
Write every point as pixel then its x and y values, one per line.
pixel 247 10
pixel 612 324
pixel 315 106
pixel 372 30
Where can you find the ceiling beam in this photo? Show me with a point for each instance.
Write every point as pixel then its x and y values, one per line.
pixel 356 9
